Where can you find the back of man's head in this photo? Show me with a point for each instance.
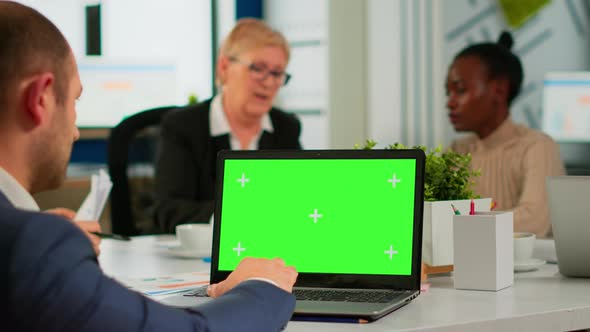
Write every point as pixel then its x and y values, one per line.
pixel 29 44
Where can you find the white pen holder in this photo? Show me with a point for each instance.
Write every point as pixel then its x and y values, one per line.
pixel 482 246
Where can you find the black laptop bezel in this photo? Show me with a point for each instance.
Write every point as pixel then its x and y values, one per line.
pixel 328 280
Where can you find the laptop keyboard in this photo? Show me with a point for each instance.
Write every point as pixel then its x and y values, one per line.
pixel 336 295
pixel 348 295
pixel 197 292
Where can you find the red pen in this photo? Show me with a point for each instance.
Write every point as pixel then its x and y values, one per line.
pixel 472 207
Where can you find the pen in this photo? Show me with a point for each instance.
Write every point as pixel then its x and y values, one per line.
pixel 112 236
pixel 457 212
pixel 472 207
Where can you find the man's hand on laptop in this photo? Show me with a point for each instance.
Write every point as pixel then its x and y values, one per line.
pixel 86 226
pixel 272 270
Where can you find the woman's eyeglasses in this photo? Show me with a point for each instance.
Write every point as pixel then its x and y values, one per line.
pixel 261 72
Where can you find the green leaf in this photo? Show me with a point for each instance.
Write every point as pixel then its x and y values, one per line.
pixel 447 175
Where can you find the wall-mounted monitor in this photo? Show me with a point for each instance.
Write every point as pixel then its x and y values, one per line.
pixel 566 106
pixel 116 89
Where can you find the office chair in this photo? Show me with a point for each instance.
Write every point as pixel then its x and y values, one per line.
pixel 128 140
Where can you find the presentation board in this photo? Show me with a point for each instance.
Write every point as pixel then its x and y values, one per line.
pixel 116 89
pixel 566 106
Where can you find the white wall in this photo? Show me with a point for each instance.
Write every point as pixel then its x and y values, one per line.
pixel 384 66
pixel 226 18
pixel 304 24
pixel 405 83
pixel 347 73
pixel 68 16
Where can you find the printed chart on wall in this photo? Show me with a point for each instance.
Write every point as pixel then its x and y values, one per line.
pixel 566 106
pixel 114 90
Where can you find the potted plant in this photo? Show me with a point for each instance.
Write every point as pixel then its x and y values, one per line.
pixel 448 180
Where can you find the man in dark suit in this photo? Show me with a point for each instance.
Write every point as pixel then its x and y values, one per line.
pixel 49 271
pixel 250 71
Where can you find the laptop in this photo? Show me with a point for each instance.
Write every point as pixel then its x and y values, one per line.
pixel 569 212
pixel 350 221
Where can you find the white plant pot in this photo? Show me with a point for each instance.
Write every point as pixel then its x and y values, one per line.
pixel 437 235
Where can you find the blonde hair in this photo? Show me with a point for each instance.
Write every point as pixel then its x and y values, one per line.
pixel 250 34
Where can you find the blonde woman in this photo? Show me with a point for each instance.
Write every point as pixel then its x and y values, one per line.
pixel 250 70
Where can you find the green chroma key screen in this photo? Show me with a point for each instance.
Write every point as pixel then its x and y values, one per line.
pixel 340 216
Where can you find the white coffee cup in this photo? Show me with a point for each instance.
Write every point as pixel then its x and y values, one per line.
pixel 524 245
pixel 195 237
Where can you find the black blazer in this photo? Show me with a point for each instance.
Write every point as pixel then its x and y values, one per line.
pixel 185 171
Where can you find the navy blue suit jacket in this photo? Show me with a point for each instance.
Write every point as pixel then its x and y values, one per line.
pixel 51 281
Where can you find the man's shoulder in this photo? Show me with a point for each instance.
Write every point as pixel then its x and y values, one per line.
pixel 34 238
pixel 30 225
pixel 30 238
pixel 11 221
pixel 13 218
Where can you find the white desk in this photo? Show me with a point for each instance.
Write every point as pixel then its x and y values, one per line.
pixel 142 257
pixel 542 300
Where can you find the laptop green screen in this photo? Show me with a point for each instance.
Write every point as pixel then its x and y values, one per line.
pixel 345 216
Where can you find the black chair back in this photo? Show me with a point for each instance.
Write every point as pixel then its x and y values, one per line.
pixel 120 147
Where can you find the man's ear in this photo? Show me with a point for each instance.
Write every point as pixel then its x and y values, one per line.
pixel 38 94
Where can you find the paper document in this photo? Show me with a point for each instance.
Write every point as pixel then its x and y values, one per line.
pixel 175 283
pixel 92 207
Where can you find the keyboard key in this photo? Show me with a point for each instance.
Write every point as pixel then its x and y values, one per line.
pixel 197 292
pixel 348 295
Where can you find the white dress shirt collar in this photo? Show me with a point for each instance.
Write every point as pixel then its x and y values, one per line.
pixel 16 194
pixel 219 126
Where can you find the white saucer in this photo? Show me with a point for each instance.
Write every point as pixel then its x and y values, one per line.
pixel 185 253
pixel 168 243
pixel 529 265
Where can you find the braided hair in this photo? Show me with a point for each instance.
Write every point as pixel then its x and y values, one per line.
pixel 500 61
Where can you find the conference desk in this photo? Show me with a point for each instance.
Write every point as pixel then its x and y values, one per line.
pixel 540 300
